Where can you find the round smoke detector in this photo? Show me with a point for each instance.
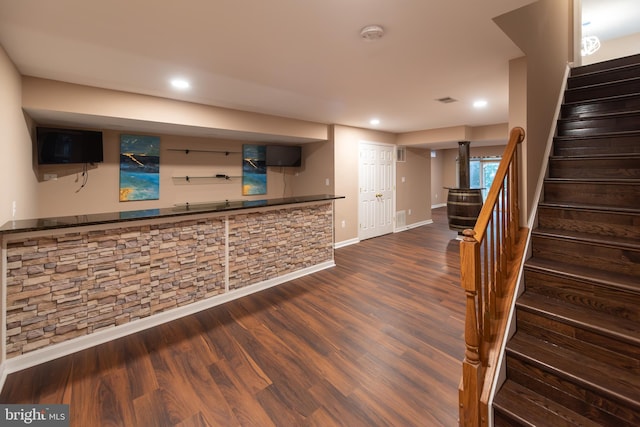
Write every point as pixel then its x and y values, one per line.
pixel 372 32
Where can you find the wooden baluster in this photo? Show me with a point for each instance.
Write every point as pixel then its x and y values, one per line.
pixel 515 220
pixel 496 260
pixel 491 283
pixel 482 299
pixel 502 264
pixel 486 287
pixel 507 204
pixel 505 236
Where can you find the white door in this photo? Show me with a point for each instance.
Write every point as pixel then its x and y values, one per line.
pixel 376 196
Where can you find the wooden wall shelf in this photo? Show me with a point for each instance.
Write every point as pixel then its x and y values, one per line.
pixel 187 151
pixel 219 176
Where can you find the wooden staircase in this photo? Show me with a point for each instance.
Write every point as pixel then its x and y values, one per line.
pixel 575 357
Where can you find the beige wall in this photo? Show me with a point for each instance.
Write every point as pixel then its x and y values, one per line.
pixel 17 177
pixel 413 184
pixel 61 197
pixel 427 136
pixel 317 171
pixel 615 48
pixel 543 31
pixel 495 132
pixel 518 116
pixel 346 141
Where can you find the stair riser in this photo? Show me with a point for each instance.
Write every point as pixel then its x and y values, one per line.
pixel 602 91
pixel 618 302
pixel 593 193
pixel 616 260
pixel 599 107
pixel 597 146
pixel 604 77
pixel 517 405
pixel 600 347
pixel 595 168
pixel 624 225
pixel 586 402
pixel 606 66
pixel 598 125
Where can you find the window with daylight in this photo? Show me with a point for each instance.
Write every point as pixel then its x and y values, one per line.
pixel 482 170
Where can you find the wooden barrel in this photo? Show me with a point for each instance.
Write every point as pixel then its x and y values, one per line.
pixel 463 207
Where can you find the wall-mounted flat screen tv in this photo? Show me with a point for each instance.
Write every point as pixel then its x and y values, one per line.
pixel 284 155
pixel 61 146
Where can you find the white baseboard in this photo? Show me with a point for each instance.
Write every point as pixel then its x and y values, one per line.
pixel 440 205
pixel 344 243
pixel 55 351
pixel 414 225
pixel 3 375
pixel 349 242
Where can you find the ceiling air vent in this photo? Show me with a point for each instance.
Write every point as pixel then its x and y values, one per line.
pixel 446 100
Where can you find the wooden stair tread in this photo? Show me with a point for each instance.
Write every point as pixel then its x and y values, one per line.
pixel 531 409
pixel 599 136
pixel 603 99
pixel 603 115
pixel 602 90
pixel 574 236
pixel 596 180
pixel 591 208
pixel 587 116
pixel 595 321
pixel 620 281
pixel 600 108
pixel 607 83
pixel 617 156
pixel 606 66
pixel 591 374
pixel 592 110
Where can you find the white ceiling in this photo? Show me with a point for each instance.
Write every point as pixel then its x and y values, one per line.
pixel 610 19
pixel 291 58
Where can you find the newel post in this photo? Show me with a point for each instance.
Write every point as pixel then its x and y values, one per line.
pixel 471 387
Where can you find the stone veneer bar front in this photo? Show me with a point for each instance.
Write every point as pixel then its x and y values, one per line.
pixel 74 282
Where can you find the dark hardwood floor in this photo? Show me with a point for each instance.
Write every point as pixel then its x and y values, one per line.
pixel 375 341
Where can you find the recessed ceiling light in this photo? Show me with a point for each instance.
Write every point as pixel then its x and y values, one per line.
pixel 374 122
pixel 180 84
pixel 481 103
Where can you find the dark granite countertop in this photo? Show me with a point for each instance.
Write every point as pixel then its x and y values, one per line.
pixel 38 224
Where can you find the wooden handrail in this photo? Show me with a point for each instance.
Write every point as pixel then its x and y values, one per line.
pixel 489 255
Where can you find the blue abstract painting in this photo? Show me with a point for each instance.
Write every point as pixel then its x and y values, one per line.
pixel 254 170
pixel 139 167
